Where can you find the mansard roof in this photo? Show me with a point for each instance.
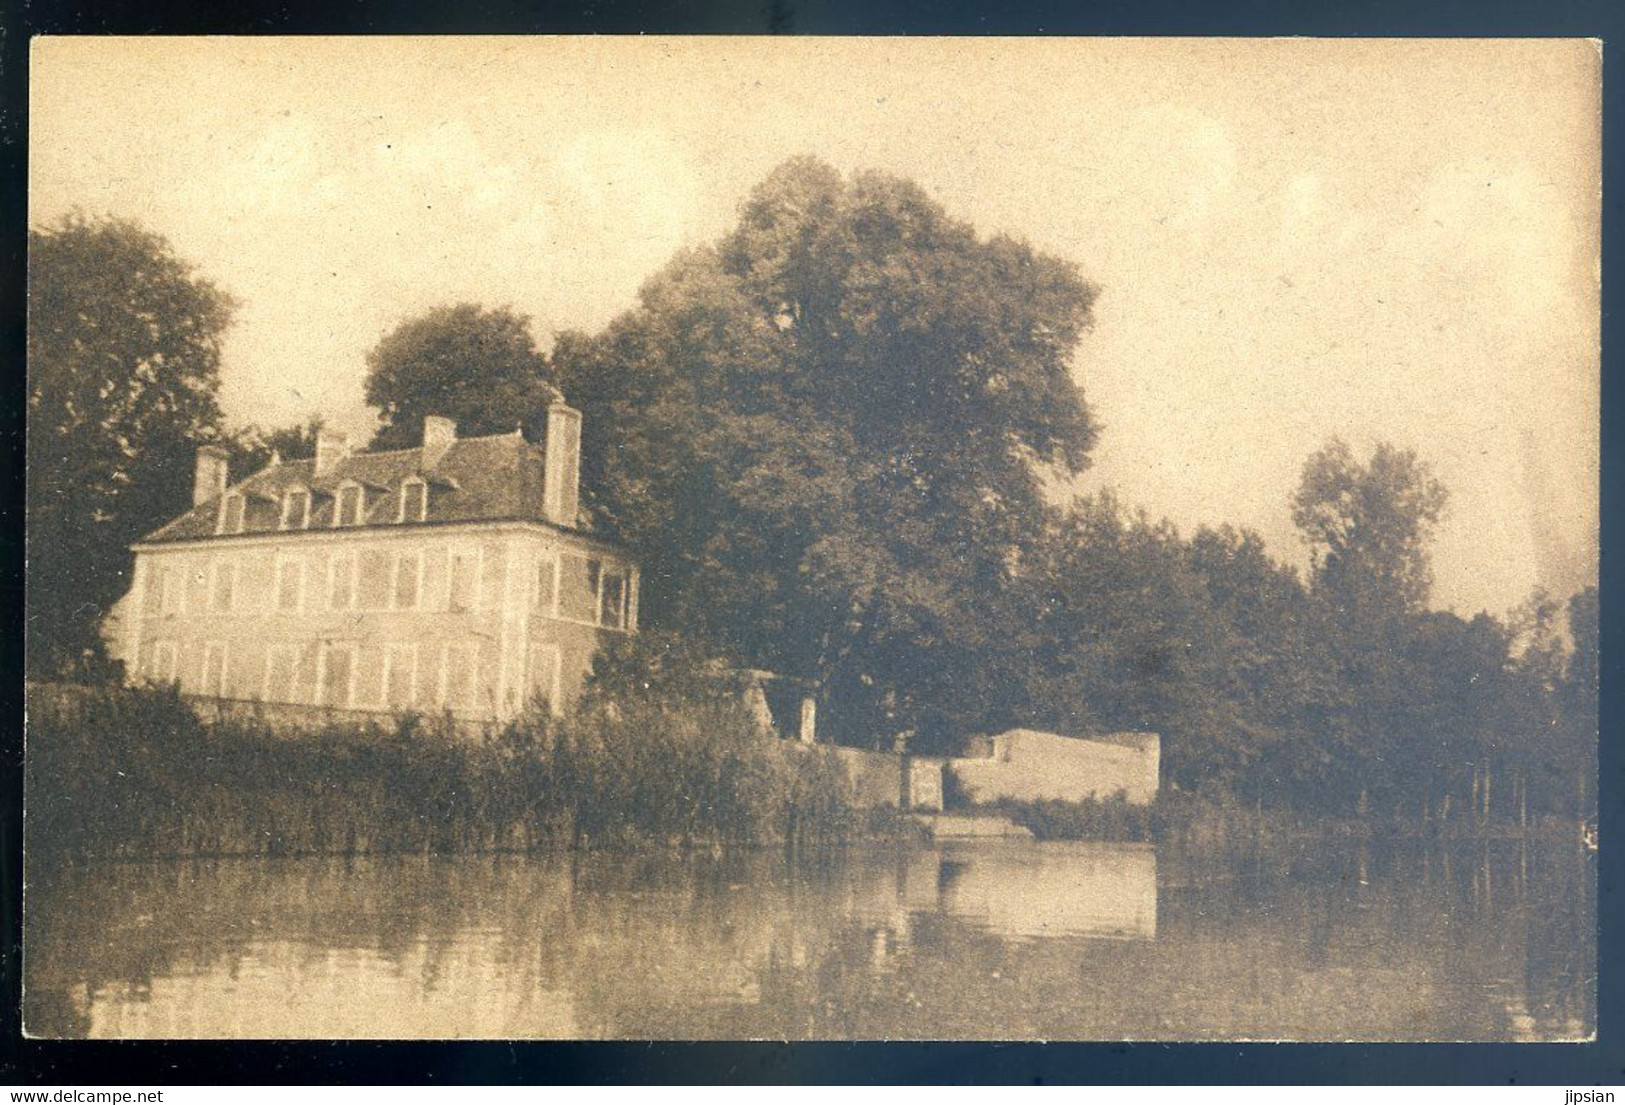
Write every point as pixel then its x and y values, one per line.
pixel 477 479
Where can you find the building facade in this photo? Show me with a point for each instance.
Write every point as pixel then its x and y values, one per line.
pixel 457 576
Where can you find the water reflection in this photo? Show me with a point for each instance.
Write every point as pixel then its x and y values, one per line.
pixel 994 940
pixel 1062 890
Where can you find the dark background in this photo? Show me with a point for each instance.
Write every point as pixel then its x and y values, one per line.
pixel 135 1064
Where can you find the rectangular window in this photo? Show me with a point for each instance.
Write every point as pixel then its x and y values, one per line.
pixel 296 509
pixel 282 674
pixel 542 679
pixel 400 676
pixel 408 580
pixel 174 589
pixel 414 501
pixel 157 580
pixel 165 663
pixel 348 508
pixel 338 665
pixel 290 584
pixel 457 690
pixel 463 588
pixel 214 669
pixel 231 514
pixel 223 591
pixel 612 593
pixel 545 584
pixel 426 691
pixel 341 582
pixel 578 588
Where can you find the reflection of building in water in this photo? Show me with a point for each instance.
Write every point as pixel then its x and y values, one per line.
pixel 1096 890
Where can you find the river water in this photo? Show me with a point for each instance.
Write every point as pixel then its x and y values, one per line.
pixel 989 940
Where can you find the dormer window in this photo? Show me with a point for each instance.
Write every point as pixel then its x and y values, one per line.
pixel 414 504
pixel 232 509
pixel 296 508
pixel 348 505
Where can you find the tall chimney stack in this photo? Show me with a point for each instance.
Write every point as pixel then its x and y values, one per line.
pixel 561 494
pixel 331 447
pixel 439 434
pixel 209 477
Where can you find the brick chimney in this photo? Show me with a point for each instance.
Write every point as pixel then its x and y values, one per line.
pixel 209 477
pixel 439 434
pixel 331 447
pixel 562 477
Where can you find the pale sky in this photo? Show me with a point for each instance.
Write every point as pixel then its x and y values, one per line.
pixel 1292 238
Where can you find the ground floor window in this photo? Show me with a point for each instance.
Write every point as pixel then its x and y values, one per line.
pixel 400 676
pixel 337 675
pixel 291 674
pixel 542 675
pixel 214 669
pixel 458 677
pixel 163 663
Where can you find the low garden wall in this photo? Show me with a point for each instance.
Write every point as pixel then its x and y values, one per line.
pixel 1025 765
pixel 877 778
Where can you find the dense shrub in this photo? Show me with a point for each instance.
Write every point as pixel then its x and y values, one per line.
pixel 122 772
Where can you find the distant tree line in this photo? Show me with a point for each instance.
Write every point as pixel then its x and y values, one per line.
pixel 839 439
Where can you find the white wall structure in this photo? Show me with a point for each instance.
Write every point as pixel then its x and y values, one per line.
pixel 1028 765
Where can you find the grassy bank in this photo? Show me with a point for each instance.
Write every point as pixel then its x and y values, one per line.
pixel 1110 819
pixel 134 773
pixel 1221 823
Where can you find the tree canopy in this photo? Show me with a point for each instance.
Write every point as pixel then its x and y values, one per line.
pixel 478 366
pixel 251 447
pixel 1368 526
pixel 123 369
pixel 830 438
pixel 827 433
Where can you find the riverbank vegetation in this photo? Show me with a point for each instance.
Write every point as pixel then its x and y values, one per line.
pixel 845 440
pixel 134 773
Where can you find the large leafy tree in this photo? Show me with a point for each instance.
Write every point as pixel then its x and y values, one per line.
pixel 1131 639
pixel 479 366
pixel 828 435
pixel 123 368
pixel 1368 527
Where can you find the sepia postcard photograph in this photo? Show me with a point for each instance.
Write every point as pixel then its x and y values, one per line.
pixel 744 538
